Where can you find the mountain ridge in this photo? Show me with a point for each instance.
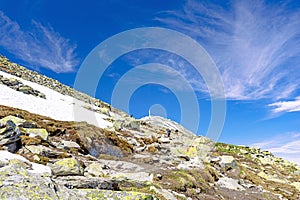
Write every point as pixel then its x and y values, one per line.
pixel 115 156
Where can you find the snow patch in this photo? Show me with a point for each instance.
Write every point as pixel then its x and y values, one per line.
pixel 6 156
pixel 56 105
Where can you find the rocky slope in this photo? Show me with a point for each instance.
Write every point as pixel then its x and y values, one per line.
pixel 45 158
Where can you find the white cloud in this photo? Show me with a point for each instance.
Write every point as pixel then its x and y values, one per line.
pixel 286 106
pixel 255 44
pixel 286 146
pixel 178 69
pixel 39 47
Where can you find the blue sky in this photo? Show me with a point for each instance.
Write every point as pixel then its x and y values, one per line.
pixel 254 44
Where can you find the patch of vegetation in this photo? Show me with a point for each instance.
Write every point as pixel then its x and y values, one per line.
pixel 152 149
pixel 186 181
pixel 226 148
pixel 232 150
pixel 214 174
pixel 151 140
pixel 26 140
pixel 122 144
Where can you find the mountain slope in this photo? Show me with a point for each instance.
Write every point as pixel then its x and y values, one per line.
pixel 58 147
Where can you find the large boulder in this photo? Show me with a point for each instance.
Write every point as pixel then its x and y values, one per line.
pixel 11 136
pixel 16 120
pixel 228 162
pixel 18 183
pixel 67 166
pixel 94 170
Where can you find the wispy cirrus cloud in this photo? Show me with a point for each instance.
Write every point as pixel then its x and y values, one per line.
pixel 255 44
pixel 286 146
pixel 286 106
pixel 179 69
pixel 41 46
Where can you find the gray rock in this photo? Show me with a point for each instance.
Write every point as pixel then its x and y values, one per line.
pixel 104 110
pixel 132 123
pixel 68 144
pixel 65 167
pixel 215 159
pixel 13 82
pixel 28 124
pixel 228 162
pixel 118 125
pixel 10 136
pixel 122 166
pixel 136 176
pixel 140 149
pixel 163 192
pixel 2 124
pixel 133 142
pixel 38 149
pixel 128 122
pixel 18 183
pixel 164 140
pixel 195 163
pixel 16 120
pixel 25 89
pixel 229 183
pixel 94 170
pixel 243 151
pixel 81 182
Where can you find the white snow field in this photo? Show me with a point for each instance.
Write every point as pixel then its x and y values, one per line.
pixel 56 106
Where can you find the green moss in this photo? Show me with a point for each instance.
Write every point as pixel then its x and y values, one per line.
pixel 68 162
pixel 226 148
pixel 95 195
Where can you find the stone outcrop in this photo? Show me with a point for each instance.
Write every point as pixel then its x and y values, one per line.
pixel 62 165
pixel 42 158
